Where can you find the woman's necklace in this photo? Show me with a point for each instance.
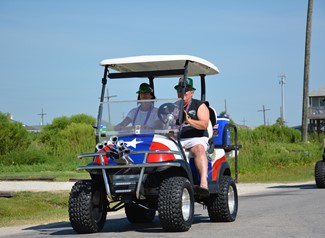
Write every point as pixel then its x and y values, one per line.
pixel 147 117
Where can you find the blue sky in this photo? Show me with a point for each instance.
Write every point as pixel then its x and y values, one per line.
pixel 50 52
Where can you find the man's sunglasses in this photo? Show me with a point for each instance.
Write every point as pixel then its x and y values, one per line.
pixel 179 90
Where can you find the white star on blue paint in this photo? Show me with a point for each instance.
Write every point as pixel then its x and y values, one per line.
pixel 133 143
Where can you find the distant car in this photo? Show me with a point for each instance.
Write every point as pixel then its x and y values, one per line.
pixel 145 170
pixel 320 170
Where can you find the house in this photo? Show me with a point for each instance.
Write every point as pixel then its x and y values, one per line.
pixel 34 129
pixel 316 110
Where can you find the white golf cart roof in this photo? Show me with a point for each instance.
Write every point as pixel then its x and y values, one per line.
pixel 196 65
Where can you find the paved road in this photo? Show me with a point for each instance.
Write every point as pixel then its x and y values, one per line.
pixel 265 210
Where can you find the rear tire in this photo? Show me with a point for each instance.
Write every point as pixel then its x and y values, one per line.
pixel 176 204
pixel 87 207
pixel 223 206
pixel 137 214
pixel 320 174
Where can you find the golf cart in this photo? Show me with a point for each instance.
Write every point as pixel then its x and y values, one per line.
pixel 145 170
pixel 320 170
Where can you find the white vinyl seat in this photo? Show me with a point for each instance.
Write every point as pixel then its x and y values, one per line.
pixel 213 119
pixel 212 123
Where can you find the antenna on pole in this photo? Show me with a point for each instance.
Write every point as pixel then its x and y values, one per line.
pixel 226 106
pixel 42 114
pixel 244 121
pixel 264 110
pixel 108 107
pixel 282 81
pixel 108 97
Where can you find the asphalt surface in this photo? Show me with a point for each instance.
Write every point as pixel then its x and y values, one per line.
pixel 266 210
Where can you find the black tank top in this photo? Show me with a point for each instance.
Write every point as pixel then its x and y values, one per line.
pixel 187 130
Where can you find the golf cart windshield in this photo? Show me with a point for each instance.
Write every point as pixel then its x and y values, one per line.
pixel 157 116
pixel 149 116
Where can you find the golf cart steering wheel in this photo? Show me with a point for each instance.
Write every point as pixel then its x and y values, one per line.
pixel 166 113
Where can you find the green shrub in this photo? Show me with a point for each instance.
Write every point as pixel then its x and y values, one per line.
pixel 76 138
pixel 66 136
pixel 13 135
pixel 19 157
pixel 276 133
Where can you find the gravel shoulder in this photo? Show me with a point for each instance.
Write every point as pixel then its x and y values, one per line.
pixel 15 186
pixel 243 188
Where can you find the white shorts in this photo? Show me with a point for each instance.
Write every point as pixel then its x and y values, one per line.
pixel 188 143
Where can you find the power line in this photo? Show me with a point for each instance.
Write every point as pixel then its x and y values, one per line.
pixel 264 110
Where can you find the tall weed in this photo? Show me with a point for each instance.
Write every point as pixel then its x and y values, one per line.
pixel 271 148
pixel 19 157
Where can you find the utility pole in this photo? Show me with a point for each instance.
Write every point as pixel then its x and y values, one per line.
pixel 282 81
pixel 42 114
pixel 226 113
pixel 264 110
pixel 244 121
pixel 304 122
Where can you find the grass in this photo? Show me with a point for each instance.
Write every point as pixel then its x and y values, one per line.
pixel 28 165
pixel 284 175
pixel 34 207
pixel 29 208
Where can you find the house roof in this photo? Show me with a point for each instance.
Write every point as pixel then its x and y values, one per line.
pixel 318 93
pixel 33 128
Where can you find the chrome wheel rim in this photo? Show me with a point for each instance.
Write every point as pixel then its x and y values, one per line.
pixel 231 200
pixel 186 204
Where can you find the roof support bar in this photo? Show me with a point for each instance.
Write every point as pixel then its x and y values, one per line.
pixel 180 114
pixel 202 87
pixel 146 74
pixel 100 109
pixel 151 83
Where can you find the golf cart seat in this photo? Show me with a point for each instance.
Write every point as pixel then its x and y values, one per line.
pixel 213 119
pixel 212 123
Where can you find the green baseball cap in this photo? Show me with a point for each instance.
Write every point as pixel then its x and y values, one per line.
pixel 145 88
pixel 188 81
